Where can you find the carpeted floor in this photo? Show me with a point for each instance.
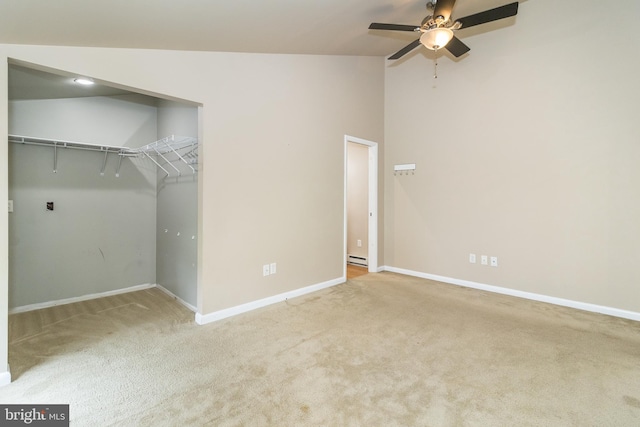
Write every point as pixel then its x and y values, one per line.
pixel 381 350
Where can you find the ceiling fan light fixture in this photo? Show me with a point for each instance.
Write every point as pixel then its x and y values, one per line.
pixel 436 38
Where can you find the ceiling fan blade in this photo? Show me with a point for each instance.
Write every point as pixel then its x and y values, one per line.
pixel 456 47
pixel 501 12
pixel 408 48
pixel 443 8
pixel 394 27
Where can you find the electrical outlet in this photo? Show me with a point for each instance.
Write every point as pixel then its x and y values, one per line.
pixel 484 260
pixel 266 270
pixel 272 268
pixel 472 258
pixel 494 261
pixel 359 243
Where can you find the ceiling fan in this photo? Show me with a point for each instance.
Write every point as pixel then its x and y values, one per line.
pixel 437 29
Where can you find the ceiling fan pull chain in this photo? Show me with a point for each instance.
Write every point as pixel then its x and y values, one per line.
pixel 435 64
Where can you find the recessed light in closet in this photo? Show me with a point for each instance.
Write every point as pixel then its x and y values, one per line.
pixel 83 81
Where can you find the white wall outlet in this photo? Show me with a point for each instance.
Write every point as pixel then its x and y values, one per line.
pixel 272 268
pixel 484 260
pixel 494 261
pixel 266 270
pixel 472 258
pixel 10 205
pixel 359 243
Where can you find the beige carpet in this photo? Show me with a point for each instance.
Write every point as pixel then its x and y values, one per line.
pixel 380 350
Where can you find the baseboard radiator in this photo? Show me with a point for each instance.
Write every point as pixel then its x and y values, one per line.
pixel 357 260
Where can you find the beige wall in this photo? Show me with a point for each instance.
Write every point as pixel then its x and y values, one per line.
pixel 4 221
pixel 271 180
pixel 528 150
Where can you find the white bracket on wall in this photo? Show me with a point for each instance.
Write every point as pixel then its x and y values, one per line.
pixel 404 168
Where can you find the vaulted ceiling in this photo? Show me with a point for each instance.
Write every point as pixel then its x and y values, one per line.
pixel 317 27
pixel 334 27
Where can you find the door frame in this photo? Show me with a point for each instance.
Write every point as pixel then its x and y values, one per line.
pixel 372 250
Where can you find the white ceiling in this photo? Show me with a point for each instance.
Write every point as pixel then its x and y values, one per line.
pixel 26 83
pixel 318 27
pixel 335 27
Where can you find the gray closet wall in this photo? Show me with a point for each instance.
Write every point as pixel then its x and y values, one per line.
pixel 102 235
pixel 177 210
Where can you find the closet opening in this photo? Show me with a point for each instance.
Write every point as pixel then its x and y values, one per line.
pixel 103 191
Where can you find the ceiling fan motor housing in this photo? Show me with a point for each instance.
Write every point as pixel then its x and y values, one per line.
pixel 429 23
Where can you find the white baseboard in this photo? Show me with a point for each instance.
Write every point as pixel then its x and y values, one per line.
pixel 616 312
pixel 5 377
pixel 203 319
pixel 41 305
pixel 177 298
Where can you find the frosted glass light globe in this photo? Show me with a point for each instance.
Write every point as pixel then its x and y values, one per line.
pixel 436 38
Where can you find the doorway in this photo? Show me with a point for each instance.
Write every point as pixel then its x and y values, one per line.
pixel 367 244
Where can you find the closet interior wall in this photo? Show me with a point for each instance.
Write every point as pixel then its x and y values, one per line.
pixel 101 235
pixel 177 209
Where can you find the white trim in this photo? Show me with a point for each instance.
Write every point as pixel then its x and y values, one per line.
pixel 616 312
pixel 41 305
pixel 373 208
pixel 5 377
pixel 177 298
pixel 372 252
pixel 203 319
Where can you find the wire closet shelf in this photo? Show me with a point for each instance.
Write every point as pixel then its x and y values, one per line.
pixel 164 153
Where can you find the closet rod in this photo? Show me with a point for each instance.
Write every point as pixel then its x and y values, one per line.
pixel 27 140
pixel 184 148
pixel 106 149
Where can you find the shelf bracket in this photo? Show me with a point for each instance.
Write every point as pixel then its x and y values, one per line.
pixel 181 158
pixel 121 155
pixel 166 162
pixel 154 161
pixel 104 164
pixel 55 158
